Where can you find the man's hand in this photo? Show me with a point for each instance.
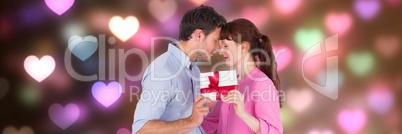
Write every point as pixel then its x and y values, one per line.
pixel 200 110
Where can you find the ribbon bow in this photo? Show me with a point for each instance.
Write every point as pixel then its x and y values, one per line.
pixel 214 87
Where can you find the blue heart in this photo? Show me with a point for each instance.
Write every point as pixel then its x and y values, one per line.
pixel 82 49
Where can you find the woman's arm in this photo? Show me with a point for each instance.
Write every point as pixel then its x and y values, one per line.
pixel 251 121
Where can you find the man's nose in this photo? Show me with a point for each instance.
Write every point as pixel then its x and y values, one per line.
pixel 217 45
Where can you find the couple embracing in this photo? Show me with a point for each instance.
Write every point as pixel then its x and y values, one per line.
pixel 202 33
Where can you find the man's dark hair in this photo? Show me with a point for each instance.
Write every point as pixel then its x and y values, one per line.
pixel 202 17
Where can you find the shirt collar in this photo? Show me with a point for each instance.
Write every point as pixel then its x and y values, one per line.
pixel 181 56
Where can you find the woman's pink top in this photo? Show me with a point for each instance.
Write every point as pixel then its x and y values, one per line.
pixel 261 100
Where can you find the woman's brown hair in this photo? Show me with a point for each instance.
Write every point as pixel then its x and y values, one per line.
pixel 240 30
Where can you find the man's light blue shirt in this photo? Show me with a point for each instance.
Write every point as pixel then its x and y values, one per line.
pixel 169 89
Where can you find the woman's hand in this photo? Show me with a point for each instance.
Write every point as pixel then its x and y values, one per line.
pixel 237 98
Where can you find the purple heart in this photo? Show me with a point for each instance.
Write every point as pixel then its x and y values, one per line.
pixel 106 95
pixel 380 99
pixel 64 117
pixel 352 121
pixel 367 9
pixel 123 131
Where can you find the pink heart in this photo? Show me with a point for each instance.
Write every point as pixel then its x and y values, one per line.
pixel 199 2
pixel 162 10
pixel 106 95
pixel 64 117
pixel 258 15
pixel 388 46
pixel 13 130
pixel 287 6
pixel 59 6
pixel 380 99
pixel 351 121
pixel 123 131
pixel 283 56
pixel 39 69
pixel 321 132
pixel 338 23
pixel 299 100
pixel 143 39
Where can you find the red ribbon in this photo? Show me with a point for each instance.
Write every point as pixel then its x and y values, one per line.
pixel 214 87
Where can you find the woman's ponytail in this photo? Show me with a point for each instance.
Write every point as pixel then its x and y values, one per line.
pixel 268 64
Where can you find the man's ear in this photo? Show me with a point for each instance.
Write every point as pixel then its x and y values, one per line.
pixel 197 35
pixel 245 47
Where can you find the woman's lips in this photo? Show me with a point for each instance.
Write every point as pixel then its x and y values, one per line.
pixel 226 58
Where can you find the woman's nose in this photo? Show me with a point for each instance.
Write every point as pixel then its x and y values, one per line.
pixel 221 51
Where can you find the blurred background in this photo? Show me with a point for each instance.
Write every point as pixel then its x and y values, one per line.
pixel 43 97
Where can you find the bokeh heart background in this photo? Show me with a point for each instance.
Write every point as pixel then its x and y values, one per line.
pixel 38 94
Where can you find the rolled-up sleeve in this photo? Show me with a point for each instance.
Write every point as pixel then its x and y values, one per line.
pixel 267 108
pixel 211 121
pixel 152 104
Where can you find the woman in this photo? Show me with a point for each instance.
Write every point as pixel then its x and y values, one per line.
pixel 254 107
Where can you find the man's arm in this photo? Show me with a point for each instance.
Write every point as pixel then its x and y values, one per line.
pixel 179 126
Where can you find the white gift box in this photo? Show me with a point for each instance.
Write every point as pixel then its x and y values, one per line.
pixel 222 81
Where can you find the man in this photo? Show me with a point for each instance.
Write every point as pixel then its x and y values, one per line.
pixel 170 100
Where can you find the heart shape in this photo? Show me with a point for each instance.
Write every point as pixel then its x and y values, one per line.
pixel 123 131
pixel 257 15
pixel 162 10
pixel 360 63
pixel 388 46
pixel 143 38
pixel 338 23
pixel 106 95
pixel 83 49
pixel 351 121
pixel 287 6
pixel 64 117
pixel 13 130
pixel 39 69
pixel 4 87
pixel 306 38
pixel 31 14
pixel 124 29
pixel 283 56
pixel 380 98
pixel 59 6
pixel 321 132
pixel 199 2
pixel 299 100
pixel 367 9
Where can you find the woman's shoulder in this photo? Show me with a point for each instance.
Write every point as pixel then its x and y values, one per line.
pixel 256 76
pixel 258 80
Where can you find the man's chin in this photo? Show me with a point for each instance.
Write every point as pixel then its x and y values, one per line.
pixel 205 58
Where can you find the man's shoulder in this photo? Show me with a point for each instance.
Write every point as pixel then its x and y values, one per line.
pixel 162 66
